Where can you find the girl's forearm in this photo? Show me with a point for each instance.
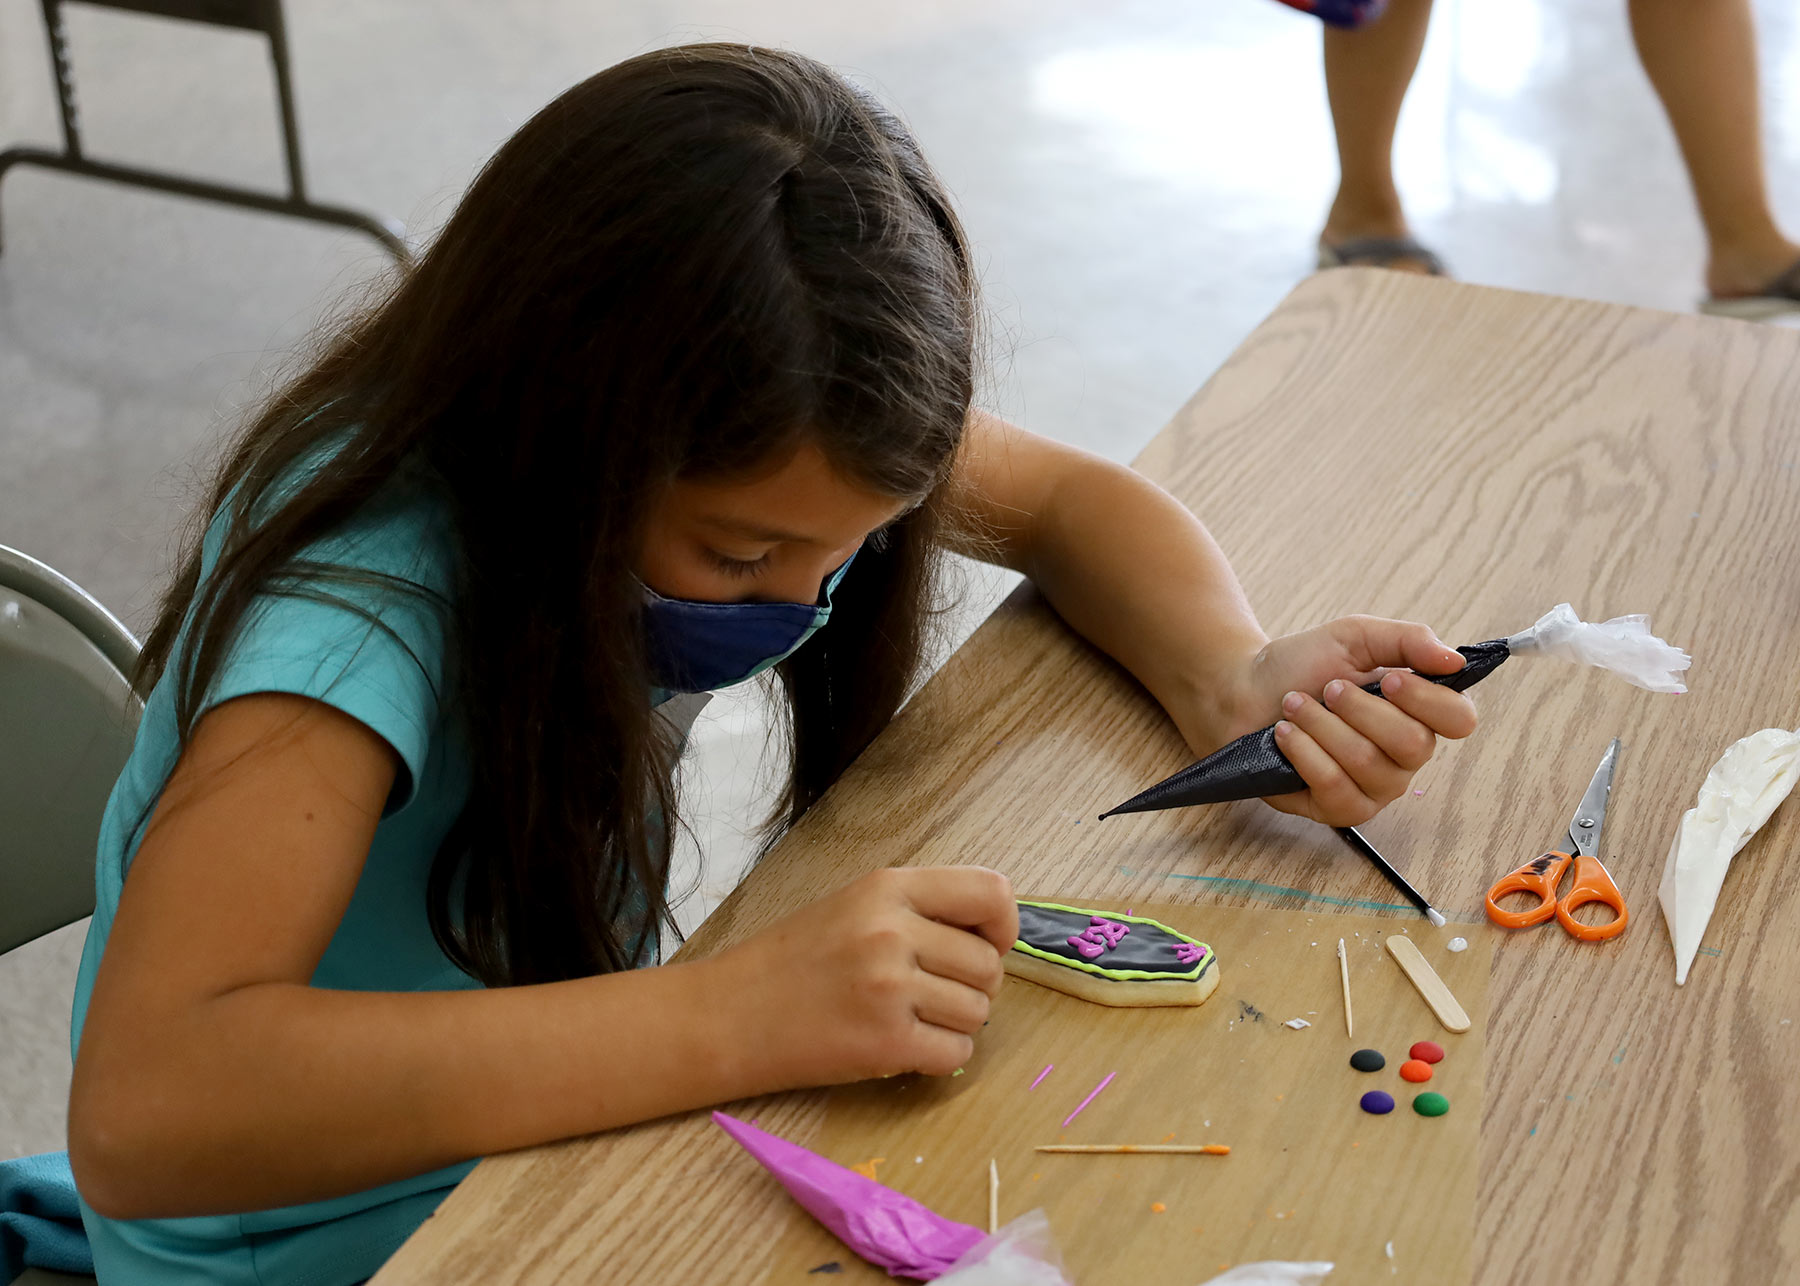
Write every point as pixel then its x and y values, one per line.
pixel 1135 572
pixel 277 1093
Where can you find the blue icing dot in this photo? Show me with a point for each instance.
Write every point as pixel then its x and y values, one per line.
pixel 1378 1102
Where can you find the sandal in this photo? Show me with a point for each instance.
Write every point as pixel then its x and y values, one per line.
pixel 1782 295
pixel 1380 252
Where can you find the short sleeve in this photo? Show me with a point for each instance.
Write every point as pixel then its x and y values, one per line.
pixel 361 626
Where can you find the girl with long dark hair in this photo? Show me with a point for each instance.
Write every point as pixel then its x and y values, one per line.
pixel 680 393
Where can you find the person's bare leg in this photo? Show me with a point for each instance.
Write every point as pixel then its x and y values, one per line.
pixel 1366 75
pixel 1700 56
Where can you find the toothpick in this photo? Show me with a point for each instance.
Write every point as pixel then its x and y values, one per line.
pixel 1207 1149
pixel 1344 972
pixel 993 1198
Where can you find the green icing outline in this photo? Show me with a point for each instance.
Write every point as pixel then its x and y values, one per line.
pixel 1117 975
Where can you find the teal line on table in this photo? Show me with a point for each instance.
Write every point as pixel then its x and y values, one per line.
pixel 1233 885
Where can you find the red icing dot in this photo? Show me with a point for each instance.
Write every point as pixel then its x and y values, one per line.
pixel 1414 1069
pixel 1427 1051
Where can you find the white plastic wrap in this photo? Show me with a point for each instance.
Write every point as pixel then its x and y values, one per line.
pixel 1023 1254
pixel 1020 1254
pixel 1744 787
pixel 1623 645
pixel 1272 1272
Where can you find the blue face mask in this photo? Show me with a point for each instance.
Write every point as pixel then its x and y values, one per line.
pixel 700 647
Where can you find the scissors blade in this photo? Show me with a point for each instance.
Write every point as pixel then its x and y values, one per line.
pixel 1584 827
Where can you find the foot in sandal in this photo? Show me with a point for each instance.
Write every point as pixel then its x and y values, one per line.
pixel 1401 254
pixel 1776 297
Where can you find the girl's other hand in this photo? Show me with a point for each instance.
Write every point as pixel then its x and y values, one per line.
pixel 892 973
pixel 1356 751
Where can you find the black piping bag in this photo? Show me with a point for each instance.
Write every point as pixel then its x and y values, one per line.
pixel 1252 767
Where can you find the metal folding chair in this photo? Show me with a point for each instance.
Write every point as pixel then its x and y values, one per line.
pixel 68 717
pixel 244 15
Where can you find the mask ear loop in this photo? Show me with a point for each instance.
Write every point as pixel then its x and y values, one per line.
pixel 836 578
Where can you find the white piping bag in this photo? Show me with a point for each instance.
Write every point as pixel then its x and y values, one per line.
pixel 1272 1272
pixel 1744 787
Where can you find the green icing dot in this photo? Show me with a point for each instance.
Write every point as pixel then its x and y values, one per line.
pixel 1431 1104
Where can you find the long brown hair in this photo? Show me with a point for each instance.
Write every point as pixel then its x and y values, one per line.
pixel 686 265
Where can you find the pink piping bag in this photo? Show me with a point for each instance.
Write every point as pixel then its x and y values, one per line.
pixel 888 1229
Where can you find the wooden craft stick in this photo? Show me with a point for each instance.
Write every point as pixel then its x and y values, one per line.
pixel 1406 954
pixel 993 1198
pixel 1344 973
pixel 1208 1149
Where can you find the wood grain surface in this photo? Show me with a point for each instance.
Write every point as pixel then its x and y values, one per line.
pixel 1310 1175
pixel 1406 447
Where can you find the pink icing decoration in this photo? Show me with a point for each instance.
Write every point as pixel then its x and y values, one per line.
pixel 1111 930
pixel 1100 936
pixel 1188 952
pixel 890 1230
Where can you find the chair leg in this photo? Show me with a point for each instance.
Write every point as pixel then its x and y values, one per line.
pixel 284 93
pixel 63 74
pixel 72 160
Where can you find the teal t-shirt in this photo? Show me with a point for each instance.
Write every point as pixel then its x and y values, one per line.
pixel 393 682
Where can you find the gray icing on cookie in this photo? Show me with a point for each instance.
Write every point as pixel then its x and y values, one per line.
pixel 1145 947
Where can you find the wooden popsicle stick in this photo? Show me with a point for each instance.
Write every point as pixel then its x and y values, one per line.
pixel 1406 954
pixel 1207 1149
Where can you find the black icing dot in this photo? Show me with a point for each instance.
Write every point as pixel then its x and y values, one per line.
pixel 1368 1060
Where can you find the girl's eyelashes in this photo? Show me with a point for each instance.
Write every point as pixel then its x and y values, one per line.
pixel 736 566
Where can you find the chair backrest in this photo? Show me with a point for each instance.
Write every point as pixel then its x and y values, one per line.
pixel 67 720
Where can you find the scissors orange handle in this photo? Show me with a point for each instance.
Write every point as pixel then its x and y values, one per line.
pixel 1541 876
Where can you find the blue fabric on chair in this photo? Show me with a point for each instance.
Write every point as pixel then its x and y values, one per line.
pixel 40 1222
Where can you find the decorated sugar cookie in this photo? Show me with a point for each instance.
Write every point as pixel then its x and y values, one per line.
pixel 1110 959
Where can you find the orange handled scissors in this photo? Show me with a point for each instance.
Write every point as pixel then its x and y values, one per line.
pixel 1592 883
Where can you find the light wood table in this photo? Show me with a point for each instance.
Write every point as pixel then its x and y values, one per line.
pixel 1414 448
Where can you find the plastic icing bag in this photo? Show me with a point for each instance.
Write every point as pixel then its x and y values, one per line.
pixel 1253 766
pixel 1020 1254
pixel 1623 645
pixel 1744 787
pixel 890 1230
